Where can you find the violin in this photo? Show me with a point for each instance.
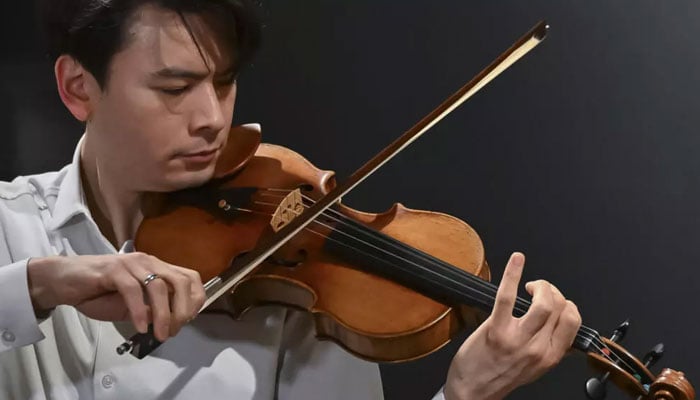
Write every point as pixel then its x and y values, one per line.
pixel 270 228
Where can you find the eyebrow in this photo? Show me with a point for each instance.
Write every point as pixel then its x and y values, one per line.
pixel 188 74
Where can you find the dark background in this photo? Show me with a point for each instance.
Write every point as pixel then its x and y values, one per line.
pixel 582 155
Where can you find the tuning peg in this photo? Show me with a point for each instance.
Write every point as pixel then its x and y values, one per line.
pixel 654 355
pixel 620 332
pixel 595 387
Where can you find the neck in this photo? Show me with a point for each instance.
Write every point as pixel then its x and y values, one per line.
pixel 115 209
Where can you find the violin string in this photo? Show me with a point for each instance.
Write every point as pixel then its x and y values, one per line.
pixel 390 243
pixel 595 339
pixel 448 268
pixel 430 259
pixel 367 254
pixel 486 295
pixel 485 285
pixel 591 335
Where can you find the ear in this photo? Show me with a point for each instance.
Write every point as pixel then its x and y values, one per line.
pixel 76 87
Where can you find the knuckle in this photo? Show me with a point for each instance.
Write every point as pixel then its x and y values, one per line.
pixel 539 288
pixel 556 295
pixel 117 266
pixel 140 313
pixel 130 285
pixel 572 307
pixel 501 341
pixel 139 257
pixel 199 298
pixel 494 337
pixel 180 317
pixel 109 273
pixel 543 307
pixel 161 314
pixel 195 275
pixel 541 283
pixel 181 281
pixel 573 320
pixel 155 262
pixel 572 315
pixel 502 302
pixel 535 355
pixel 551 361
pixel 174 329
pixel 559 303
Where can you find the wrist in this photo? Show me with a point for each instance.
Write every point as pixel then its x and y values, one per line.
pixel 469 392
pixel 470 385
pixel 39 282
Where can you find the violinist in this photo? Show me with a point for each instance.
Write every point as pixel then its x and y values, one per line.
pixel 154 83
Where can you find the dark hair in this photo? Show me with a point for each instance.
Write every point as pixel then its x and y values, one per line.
pixel 93 31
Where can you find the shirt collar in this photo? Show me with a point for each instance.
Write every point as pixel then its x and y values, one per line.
pixel 70 201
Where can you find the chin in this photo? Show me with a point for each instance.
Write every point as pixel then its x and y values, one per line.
pixel 186 180
pixel 177 175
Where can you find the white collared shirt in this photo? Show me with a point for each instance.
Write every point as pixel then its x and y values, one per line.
pixel 270 353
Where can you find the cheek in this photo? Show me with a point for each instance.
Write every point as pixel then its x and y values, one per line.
pixel 141 125
pixel 135 137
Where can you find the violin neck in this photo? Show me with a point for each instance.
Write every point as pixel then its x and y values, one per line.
pixel 385 256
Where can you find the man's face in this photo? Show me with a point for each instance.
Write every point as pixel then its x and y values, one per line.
pixel 165 112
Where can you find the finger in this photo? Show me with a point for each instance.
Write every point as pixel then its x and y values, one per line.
pixel 132 294
pixel 182 307
pixel 508 290
pixel 197 293
pixel 190 273
pixel 541 308
pixel 558 305
pixel 543 351
pixel 159 300
pixel 566 329
pixel 157 291
pixel 187 294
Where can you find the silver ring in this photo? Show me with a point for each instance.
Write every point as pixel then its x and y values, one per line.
pixel 149 279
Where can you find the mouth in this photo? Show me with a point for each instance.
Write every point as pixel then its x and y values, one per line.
pixel 200 157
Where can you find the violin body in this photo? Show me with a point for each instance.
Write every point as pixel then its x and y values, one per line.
pixel 371 316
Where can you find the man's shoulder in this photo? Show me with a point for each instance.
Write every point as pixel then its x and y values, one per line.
pixel 30 186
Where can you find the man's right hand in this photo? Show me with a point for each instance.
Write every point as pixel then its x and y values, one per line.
pixel 111 288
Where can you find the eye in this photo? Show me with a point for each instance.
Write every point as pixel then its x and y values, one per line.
pixel 175 91
pixel 224 86
pixel 226 81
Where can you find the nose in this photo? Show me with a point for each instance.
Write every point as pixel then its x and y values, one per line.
pixel 208 115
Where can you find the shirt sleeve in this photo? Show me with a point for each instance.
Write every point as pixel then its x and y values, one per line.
pixel 310 368
pixel 18 323
pixel 440 395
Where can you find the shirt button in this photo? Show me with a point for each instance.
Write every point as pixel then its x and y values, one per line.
pixel 8 336
pixel 107 381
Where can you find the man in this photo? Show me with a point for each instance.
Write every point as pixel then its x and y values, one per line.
pixel 154 81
